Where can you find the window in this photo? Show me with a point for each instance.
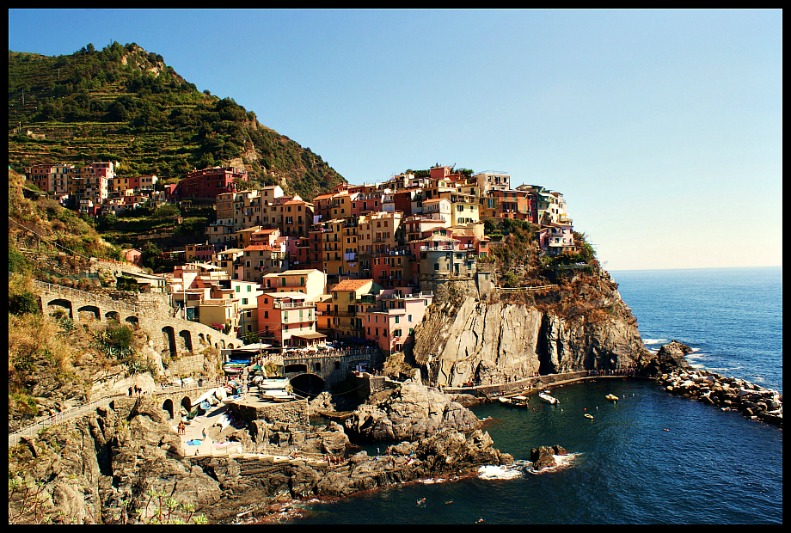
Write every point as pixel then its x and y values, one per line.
pixel 266 314
pixel 409 318
pixel 238 288
pixel 396 319
pixel 244 301
pixel 436 266
pixel 249 288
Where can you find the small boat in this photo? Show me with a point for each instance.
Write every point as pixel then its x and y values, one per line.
pixel 588 415
pixel 612 397
pixel 519 400
pixel 273 383
pixel 278 395
pixel 505 400
pixel 544 396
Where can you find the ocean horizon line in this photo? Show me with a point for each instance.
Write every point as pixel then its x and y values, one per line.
pixel 669 269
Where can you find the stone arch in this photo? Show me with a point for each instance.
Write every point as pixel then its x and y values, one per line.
pixel 59 305
pixel 113 315
pixel 186 403
pixel 202 338
pixel 307 384
pixel 230 345
pixel 186 338
pixel 170 340
pixel 133 320
pixel 168 406
pixel 89 311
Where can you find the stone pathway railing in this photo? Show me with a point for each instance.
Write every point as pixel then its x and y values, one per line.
pixel 83 295
pixel 82 410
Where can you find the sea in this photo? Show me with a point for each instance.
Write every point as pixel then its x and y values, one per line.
pixel 651 458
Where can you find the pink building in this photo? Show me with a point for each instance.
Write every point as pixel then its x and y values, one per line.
pixel 134 256
pixel 390 317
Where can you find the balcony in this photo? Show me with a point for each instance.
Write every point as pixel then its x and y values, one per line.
pixel 291 305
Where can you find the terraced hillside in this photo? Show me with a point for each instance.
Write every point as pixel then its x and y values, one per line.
pixel 125 104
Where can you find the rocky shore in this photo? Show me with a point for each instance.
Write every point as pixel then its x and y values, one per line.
pixel 120 464
pixel 727 393
pixel 125 463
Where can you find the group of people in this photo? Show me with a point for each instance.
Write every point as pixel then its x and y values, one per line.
pixel 138 391
pixel 182 427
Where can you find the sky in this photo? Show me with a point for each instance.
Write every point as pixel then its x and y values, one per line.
pixel 662 128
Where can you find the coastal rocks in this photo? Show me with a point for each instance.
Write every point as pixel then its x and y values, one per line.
pixel 544 456
pixel 670 357
pixel 730 394
pixel 126 458
pixel 410 412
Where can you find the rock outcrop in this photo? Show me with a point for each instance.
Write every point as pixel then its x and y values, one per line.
pixel 410 412
pixel 487 343
pixel 123 463
pixel 544 456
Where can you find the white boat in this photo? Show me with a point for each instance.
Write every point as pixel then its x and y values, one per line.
pixel 505 400
pixel 278 395
pixel 612 397
pixel 273 383
pixel 544 396
pixel 519 400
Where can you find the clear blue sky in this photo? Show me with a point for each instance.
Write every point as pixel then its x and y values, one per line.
pixel 662 128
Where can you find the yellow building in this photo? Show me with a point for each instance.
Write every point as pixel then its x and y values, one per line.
pixel 343 307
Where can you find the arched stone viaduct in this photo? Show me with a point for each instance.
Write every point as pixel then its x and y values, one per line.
pixel 171 335
pixel 312 370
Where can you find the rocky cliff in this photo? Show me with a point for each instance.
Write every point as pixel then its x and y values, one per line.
pixel 582 325
pixel 125 463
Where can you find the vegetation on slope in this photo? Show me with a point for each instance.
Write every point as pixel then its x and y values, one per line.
pixel 125 104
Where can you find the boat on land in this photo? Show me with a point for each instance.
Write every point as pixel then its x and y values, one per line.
pixel 544 396
pixel 273 383
pixel 612 397
pixel 231 399
pixel 278 395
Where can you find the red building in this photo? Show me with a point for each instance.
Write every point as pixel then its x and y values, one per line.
pixel 206 184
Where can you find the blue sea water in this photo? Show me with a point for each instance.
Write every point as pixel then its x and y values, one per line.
pixel 651 457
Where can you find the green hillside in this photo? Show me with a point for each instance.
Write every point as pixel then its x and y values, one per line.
pixel 125 104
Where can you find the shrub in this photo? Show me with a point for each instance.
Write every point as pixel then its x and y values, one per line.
pixel 23 303
pixel 118 336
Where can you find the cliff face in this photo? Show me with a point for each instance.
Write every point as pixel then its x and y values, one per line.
pixel 588 327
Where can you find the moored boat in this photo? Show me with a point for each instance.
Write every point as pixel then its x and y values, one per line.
pixel 519 400
pixel 612 397
pixel 544 396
